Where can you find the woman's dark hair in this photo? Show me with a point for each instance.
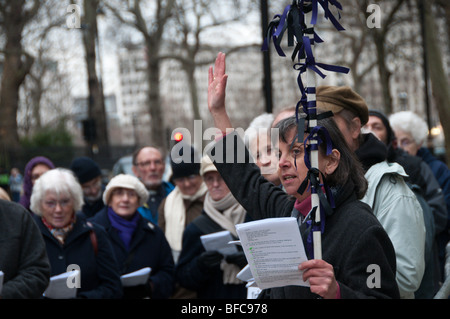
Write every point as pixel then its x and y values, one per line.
pixel 349 166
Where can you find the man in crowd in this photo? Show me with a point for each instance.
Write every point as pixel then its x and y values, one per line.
pixel 90 177
pixel 149 166
pixel 392 202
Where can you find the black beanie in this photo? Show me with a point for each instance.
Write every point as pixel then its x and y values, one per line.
pixel 184 169
pixel 85 169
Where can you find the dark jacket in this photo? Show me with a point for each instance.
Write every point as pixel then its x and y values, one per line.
pixel 99 271
pixel 148 248
pixel 23 258
pixel 208 283
pixel 150 209
pixel 440 171
pixel 353 238
pixel 91 208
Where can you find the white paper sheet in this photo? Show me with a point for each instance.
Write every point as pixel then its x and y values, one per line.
pixel 219 241
pixel 58 287
pixel 136 278
pixel 274 249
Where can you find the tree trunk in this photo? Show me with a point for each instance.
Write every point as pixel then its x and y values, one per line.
pixel 16 66
pixel 157 131
pixel 96 105
pixel 439 81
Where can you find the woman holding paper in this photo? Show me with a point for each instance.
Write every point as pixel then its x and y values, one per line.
pixel 56 200
pixel 137 242
pixel 353 241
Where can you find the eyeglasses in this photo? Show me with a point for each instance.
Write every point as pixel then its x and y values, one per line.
pixel 405 142
pixel 183 179
pixel 211 179
pixel 62 203
pixel 148 163
pixel 121 192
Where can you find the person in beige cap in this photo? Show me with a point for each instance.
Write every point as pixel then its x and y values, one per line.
pixel 137 242
pixel 209 273
pixel 393 203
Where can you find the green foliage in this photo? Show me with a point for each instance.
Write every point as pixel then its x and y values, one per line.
pixel 52 142
pixel 49 136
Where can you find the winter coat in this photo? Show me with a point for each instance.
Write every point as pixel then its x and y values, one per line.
pixel 398 210
pixel 208 283
pixel 353 238
pixel 442 174
pixel 99 270
pixel 150 209
pixel 23 258
pixel 148 248
pixel 420 174
pixel 440 171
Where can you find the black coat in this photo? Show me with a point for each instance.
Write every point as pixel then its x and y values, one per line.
pixel 353 238
pixel 99 272
pixel 23 258
pixel 208 283
pixel 148 248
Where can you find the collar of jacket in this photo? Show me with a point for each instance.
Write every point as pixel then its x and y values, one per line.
pixel 80 227
pixel 102 219
pixel 371 151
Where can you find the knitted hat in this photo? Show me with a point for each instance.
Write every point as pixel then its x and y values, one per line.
pixel 337 98
pixel 85 169
pixel 129 182
pixel 182 167
pixel 207 166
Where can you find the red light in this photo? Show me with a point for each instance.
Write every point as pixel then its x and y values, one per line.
pixel 178 136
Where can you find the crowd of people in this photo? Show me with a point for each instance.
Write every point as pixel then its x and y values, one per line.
pixel 391 203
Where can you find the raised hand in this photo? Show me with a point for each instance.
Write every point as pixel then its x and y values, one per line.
pixel 217 83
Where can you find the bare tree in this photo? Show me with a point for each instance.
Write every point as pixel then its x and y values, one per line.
pixel 14 15
pixel 37 39
pixel 132 14
pixel 96 102
pixel 439 81
pixel 191 19
pixel 379 37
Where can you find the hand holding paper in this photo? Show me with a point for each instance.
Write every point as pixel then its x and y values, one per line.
pixel 274 250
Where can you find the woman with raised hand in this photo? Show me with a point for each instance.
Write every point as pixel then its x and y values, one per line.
pixel 352 238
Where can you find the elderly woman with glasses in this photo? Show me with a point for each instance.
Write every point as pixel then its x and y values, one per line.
pixel 137 242
pixel 71 241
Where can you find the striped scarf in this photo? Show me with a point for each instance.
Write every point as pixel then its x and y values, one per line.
pixel 59 233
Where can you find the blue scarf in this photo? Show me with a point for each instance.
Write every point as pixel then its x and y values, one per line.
pixel 124 227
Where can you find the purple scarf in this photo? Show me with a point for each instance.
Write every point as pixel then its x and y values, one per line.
pixel 124 227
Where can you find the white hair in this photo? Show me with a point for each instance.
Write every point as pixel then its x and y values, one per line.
pixel 59 181
pixel 411 123
pixel 263 121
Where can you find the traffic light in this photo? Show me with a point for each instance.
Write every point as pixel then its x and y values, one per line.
pixel 178 137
